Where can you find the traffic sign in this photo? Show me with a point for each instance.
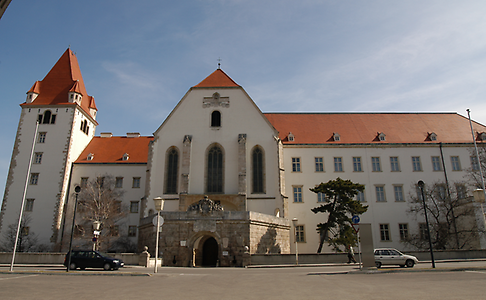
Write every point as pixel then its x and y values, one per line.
pixel 355 219
pixel 161 222
pixel 355 227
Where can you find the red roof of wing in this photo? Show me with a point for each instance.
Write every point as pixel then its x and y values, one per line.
pixel 217 79
pixel 112 149
pixel 64 77
pixel 359 128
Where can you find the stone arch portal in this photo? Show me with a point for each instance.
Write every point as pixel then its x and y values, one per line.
pixel 206 251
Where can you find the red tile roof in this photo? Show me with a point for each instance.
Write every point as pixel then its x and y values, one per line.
pixel 64 77
pixel 359 128
pixel 111 150
pixel 217 79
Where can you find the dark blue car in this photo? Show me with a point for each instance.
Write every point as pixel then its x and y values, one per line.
pixel 83 259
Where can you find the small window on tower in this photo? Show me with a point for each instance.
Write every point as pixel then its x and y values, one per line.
pixel 215 119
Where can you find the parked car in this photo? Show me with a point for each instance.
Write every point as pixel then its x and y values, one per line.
pixel 389 256
pixel 92 259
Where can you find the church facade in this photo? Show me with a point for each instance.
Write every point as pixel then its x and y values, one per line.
pixel 232 178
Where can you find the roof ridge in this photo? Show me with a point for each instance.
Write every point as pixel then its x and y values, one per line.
pixel 217 79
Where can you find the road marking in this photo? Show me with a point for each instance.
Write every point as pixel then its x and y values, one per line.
pixel 18 277
pixel 476 272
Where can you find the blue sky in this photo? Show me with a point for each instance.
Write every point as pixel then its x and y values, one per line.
pixel 138 58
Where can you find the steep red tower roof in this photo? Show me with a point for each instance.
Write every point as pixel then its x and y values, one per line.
pixel 63 78
pixel 217 79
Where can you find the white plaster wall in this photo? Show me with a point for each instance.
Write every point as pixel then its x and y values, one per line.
pixel 389 212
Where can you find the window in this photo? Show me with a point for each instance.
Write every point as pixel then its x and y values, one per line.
pixel 461 191
pixel 136 182
pixel 419 193
pixel 319 164
pixel 384 232
pixel 42 138
pixel 357 164
pixel 29 205
pixel 338 164
pixel 84 126
pixel 34 178
pixel 436 165
pixel 456 165
pixel 132 230
pixel 403 228
pixel 395 167
pixel 134 207
pixel 297 194
pixel 321 197
pixel 100 181
pixel 424 234
pixel 375 164
pixel 118 182
pixel 441 191
pixel 474 163
pixel 299 234
pixel 417 166
pixel 380 193
pixel 360 197
pixel 47 118
pixel 398 190
pixel 114 230
pixel 215 170
pixel 84 182
pixel 295 164
pixel 215 119
pixel 172 171
pixel 38 158
pixel 258 170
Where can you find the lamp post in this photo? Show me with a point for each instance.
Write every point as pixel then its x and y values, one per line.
pixel 421 185
pixel 294 222
pixel 159 205
pixel 77 189
pixel 96 233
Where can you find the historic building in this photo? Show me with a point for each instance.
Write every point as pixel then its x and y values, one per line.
pixel 231 176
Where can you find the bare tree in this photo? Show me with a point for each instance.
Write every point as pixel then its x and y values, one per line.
pixel 452 218
pixel 27 241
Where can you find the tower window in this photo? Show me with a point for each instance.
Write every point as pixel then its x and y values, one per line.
pixel 47 118
pixel 215 170
pixel 215 119
pixel 258 179
pixel 172 164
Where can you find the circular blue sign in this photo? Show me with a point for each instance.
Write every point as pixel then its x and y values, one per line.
pixel 355 219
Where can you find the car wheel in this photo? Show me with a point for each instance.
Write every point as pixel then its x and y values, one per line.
pixel 72 266
pixel 106 267
pixel 410 263
pixel 378 264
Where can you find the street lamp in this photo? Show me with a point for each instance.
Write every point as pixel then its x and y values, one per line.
pixel 294 222
pixel 77 189
pixel 96 233
pixel 421 185
pixel 159 205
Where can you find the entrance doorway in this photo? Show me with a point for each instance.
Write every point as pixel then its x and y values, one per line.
pixel 210 253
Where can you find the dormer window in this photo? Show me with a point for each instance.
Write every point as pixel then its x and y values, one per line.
pixel 381 136
pixel 125 156
pixel 432 136
pixel 291 137
pixel 90 156
pixel 481 136
pixel 336 137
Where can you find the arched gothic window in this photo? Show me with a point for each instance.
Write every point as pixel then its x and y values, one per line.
pixel 172 170
pixel 215 119
pixel 47 118
pixel 258 171
pixel 215 170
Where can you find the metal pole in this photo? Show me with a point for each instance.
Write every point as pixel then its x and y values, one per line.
pixel 77 189
pixel 296 247
pixel 359 250
pixel 421 185
pixel 157 241
pixel 23 196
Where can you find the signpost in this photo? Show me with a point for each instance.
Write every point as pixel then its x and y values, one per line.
pixel 355 219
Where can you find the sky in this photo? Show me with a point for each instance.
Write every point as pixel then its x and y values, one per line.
pixel 139 58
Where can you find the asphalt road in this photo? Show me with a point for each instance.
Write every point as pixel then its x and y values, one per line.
pixel 463 280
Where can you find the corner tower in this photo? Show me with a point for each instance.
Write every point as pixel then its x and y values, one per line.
pixel 66 117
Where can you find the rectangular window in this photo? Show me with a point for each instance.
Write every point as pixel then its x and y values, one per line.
pixel 299 234
pixel 417 166
pixel 42 137
pixel 321 197
pixel 456 165
pixel 357 164
pixel 29 205
pixel 380 193
pixel 38 158
pixel 398 190
pixel 338 164
pixel 119 182
pixel 375 164
pixel 295 164
pixel 136 182
pixel 403 228
pixel 419 193
pixel 423 231
pixel 132 230
pixel 360 197
pixel 114 230
pixel 461 191
pixel 134 206
pixel 384 232
pixel 436 165
pixel 395 167
pixel 84 182
pixel 297 194
pixel 441 191
pixel 319 164
pixel 34 178
pixel 474 163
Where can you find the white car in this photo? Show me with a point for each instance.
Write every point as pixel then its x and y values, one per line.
pixel 389 256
